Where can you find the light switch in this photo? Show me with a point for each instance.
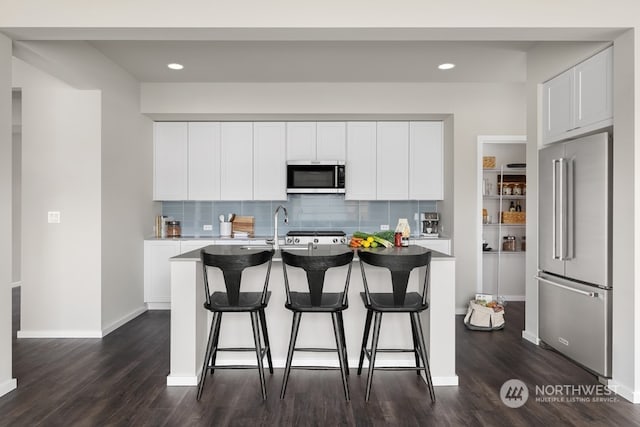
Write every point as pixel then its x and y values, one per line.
pixel 53 217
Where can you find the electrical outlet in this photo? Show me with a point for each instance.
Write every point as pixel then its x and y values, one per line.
pixel 384 227
pixel 53 217
pixel 415 216
pixel 207 227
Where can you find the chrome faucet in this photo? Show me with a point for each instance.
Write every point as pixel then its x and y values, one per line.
pixel 275 243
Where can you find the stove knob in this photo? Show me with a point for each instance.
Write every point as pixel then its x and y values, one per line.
pixel 343 240
pixel 335 240
pixel 315 240
pixel 289 240
pixel 296 240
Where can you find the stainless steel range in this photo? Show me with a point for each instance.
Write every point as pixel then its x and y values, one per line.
pixel 304 237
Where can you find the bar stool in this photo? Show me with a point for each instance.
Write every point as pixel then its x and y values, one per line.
pixel 232 262
pixel 400 262
pixel 315 263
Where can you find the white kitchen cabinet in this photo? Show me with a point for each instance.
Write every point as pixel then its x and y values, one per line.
pixel 236 180
pixel 594 88
pixel 360 180
pixel 426 161
pixel 170 163
pixel 301 140
pixel 157 274
pixel 331 141
pixel 392 172
pixel 269 161
pixel 204 161
pixel 579 100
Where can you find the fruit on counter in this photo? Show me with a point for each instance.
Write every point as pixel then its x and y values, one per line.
pixel 366 240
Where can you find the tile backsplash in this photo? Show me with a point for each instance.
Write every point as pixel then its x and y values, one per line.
pixel 306 212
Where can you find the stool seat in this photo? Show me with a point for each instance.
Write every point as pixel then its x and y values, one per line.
pixel 247 301
pixel 330 302
pixel 385 302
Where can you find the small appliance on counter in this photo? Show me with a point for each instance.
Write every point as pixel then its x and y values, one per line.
pixel 430 224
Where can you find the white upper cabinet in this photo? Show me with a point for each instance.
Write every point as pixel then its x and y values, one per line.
pixel 360 180
pixel 316 140
pixel 236 179
pixel 426 161
pixel 579 100
pixel 331 142
pixel 269 161
pixel 594 84
pixel 204 161
pixel 558 105
pixel 392 177
pixel 301 140
pixel 170 161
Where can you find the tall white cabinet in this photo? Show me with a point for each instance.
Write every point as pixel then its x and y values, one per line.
pixel 392 177
pixel 361 162
pixel 204 145
pixel 269 164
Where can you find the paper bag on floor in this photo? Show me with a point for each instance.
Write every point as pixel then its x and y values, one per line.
pixel 481 318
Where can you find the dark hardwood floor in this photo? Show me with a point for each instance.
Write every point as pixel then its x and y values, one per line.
pixel 121 381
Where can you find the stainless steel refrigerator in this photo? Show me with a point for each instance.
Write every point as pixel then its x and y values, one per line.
pixel 574 278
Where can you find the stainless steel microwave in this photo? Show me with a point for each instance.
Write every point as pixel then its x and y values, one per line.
pixel 324 176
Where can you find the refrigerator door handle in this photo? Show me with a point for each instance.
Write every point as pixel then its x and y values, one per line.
pixel 554 201
pixel 563 209
pixel 578 291
pixel 569 212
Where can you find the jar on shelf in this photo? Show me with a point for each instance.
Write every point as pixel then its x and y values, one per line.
pixel 523 243
pixel 509 243
pixel 173 229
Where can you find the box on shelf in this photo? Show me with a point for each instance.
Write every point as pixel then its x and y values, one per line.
pixel 488 162
pixel 513 217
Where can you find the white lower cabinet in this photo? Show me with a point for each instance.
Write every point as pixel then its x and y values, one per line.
pixel 157 274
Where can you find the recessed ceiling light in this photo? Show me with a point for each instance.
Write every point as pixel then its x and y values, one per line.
pixel 175 66
pixel 446 66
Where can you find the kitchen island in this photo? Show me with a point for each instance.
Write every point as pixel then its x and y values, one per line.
pixel 190 321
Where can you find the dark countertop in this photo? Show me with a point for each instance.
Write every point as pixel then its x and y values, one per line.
pixel 318 250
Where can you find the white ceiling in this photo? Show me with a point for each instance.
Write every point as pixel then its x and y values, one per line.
pixel 319 61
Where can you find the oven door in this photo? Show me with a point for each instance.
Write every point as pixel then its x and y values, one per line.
pixel 315 177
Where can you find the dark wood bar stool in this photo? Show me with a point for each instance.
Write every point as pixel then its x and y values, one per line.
pixel 400 262
pixel 315 263
pixel 232 262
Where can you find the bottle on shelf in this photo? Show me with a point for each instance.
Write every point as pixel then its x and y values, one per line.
pixel 518 207
pixel 512 207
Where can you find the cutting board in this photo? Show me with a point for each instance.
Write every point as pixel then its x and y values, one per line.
pixel 244 224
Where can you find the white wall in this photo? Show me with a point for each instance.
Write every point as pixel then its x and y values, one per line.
pixel 61 172
pixel 126 163
pixel 476 109
pixel 16 177
pixel 7 383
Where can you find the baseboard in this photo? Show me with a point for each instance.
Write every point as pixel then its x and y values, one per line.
pixel 624 392
pixel 514 297
pixel 16 284
pixel 60 334
pixel 461 311
pixel 115 325
pixel 8 386
pixel 175 381
pixel 438 381
pixel 532 338
pixel 158 305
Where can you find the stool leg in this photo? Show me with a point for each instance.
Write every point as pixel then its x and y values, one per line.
pixel 374 348
pixel 207 356
pixel 415 344
pixel 216 339
pixel 265 334
pixel 423 354
pixel 344 340
pixel 295 324
pixel 365 338
pixel 256 338
pixel 341 353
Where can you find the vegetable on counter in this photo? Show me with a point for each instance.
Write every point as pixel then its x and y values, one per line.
pixel 368 240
